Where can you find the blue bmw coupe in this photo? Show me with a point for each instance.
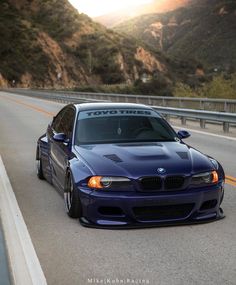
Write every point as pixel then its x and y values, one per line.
pixel 122 165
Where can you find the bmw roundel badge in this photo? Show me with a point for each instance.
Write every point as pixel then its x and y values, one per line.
pixel 161 170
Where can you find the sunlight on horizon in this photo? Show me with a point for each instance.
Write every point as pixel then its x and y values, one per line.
pixel 94 8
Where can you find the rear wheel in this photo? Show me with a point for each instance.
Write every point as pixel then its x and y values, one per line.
pixel 39 166
pixel 71 198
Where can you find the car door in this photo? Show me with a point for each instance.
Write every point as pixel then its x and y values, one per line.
pixel 60 152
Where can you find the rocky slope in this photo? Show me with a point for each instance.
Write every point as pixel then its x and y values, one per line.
pixel 49 44
pixel 204 31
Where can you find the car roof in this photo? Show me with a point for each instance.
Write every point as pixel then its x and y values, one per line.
pixel 107 105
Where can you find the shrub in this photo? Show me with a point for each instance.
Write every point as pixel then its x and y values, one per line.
pixel 220 87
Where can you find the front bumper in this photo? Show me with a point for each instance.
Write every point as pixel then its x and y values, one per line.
pixel 132 209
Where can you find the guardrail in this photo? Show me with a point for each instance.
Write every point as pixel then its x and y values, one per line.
pixel 227 119
pixel 219 105
pixel 216 105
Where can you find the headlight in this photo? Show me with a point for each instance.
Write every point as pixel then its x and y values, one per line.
pixel 100 182
pixel 205 178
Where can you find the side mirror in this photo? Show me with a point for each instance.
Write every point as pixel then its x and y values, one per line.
pixel 183 134
pixel 61 137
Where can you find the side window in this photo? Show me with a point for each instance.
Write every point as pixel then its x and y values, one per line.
pixel 67 122
pixel 56 123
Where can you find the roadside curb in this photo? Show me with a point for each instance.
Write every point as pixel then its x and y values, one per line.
pixel 4 268
pixel 24 264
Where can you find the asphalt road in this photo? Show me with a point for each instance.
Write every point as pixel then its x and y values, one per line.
pixel 71 254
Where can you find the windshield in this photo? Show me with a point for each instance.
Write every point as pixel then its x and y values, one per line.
pixel 117 126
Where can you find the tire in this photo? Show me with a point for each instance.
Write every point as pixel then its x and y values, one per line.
pixel 222 197
pixel 39 168
pixel 72 201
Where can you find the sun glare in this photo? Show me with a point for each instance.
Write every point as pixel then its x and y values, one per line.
pixel 95 8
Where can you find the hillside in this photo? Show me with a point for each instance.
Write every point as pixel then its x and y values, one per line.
pixel 49 44
pixel 204 31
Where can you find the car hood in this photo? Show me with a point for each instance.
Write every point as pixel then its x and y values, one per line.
pixel 143 159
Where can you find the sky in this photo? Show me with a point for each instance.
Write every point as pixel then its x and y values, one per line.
pixel 95 8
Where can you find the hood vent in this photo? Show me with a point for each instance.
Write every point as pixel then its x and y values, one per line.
pixel 143 144
pixel 183 155
pixel 113 157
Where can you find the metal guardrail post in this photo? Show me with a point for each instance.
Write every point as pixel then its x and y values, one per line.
pixel 163 102
pixel 226 127
pixel 202 123
pixel 226 107
pixel 183 120
pixel 167 117
pixel 201 105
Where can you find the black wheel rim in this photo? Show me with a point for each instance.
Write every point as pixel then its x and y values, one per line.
pixel 68 195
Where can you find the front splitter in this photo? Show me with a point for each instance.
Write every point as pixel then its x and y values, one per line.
pixel 138 225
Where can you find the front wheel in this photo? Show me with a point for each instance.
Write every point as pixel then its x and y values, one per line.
pixel 72 201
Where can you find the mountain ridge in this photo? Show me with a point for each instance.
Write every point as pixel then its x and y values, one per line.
pixel 158 6
pixel 49 44
pixel 204 32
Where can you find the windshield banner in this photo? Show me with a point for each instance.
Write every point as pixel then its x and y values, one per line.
pixel 116 112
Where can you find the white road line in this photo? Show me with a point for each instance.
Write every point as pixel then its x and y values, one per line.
pixel 24 263
pixel 205 133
